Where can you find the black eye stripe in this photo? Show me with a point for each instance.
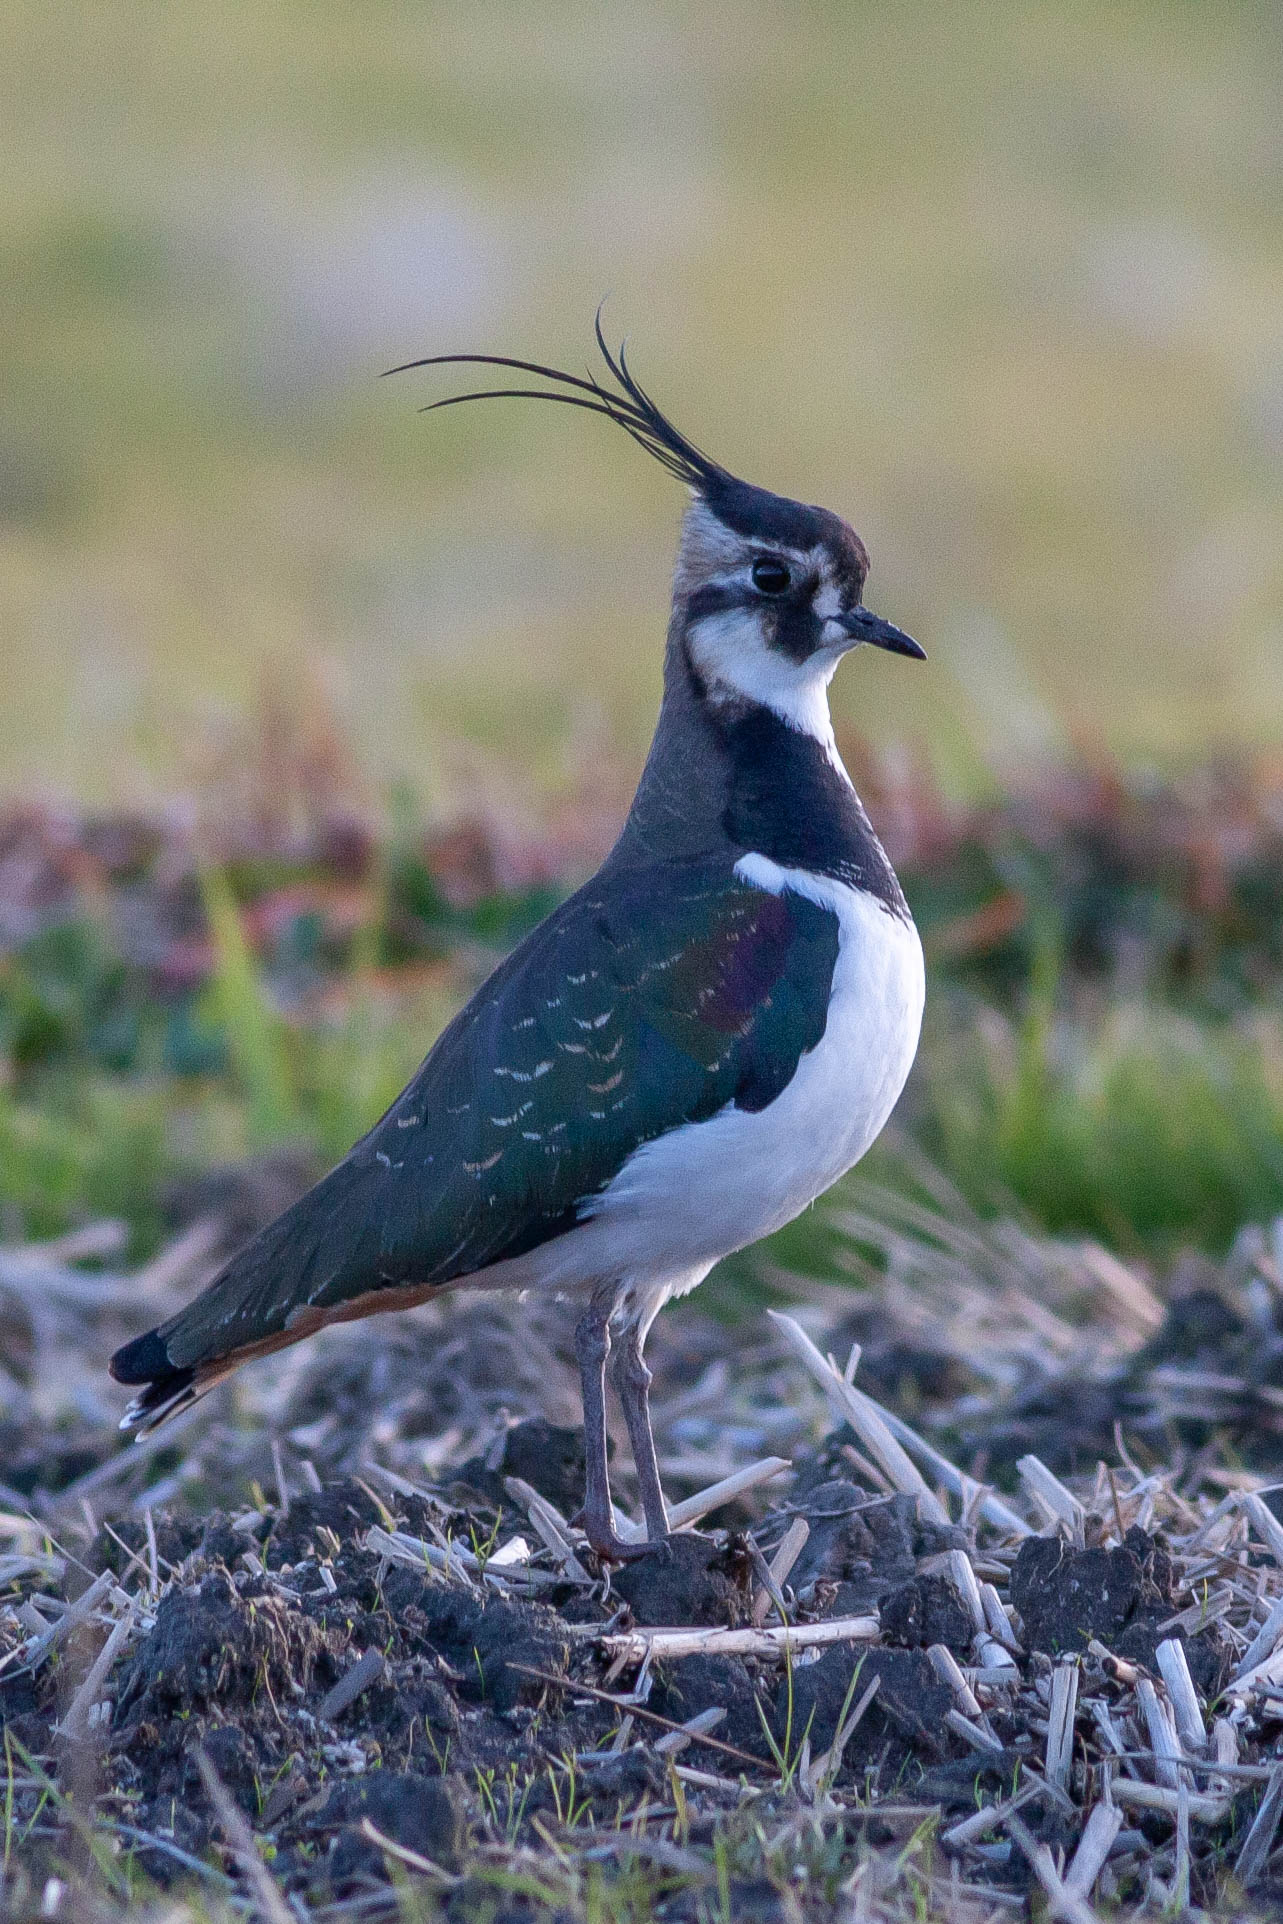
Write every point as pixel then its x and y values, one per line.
pixel 715 597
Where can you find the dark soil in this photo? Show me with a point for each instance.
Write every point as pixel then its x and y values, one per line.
pixel 473 1721
pixel 366 1680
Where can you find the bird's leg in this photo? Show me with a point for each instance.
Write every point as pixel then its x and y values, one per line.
pixel 632 1383
pixel 592 1347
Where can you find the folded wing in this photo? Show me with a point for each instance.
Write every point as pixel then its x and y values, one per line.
pixel 638 1006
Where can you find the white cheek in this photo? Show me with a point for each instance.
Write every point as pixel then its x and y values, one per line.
pixel 730 653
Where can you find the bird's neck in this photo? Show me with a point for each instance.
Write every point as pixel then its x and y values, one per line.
pixel 727 776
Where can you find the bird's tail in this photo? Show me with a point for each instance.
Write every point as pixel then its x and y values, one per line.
pixel 165 1391
pixel 317 1263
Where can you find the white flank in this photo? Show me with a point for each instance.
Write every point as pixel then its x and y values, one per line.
pixel 687 1199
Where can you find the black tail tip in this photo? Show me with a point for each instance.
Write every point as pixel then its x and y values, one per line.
pixel 142 1361
pixel 166 1387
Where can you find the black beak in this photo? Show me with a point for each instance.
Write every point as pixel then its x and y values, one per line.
pixel 863 625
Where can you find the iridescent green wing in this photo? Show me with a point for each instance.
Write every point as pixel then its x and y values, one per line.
pixel 649 1000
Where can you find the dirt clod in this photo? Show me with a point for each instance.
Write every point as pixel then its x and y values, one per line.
pixel 689 1580
pixel 928 1610
pixel 1066 1597
pixel 217 1644
pixel 489 1643
pixel 547 1456
pixel 692 1684
pixel 422 1814
pixel 904 1719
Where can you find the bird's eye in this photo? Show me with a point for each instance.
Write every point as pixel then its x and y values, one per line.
pixel 770 577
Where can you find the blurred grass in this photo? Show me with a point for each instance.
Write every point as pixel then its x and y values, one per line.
pixel 1002 282
pixel 323 1082
pixel 1150 1131
pixel 257 1039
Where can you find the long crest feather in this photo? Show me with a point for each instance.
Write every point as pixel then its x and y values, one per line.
pixel 625 402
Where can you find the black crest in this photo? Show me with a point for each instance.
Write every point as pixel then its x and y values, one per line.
pixel 622 400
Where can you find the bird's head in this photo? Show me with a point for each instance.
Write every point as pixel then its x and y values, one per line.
pixel 769 597
pixel 769 592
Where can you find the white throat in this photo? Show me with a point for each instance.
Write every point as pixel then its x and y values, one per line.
pixel 734 658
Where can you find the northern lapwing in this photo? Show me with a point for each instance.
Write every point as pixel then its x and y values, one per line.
pixel 684 1054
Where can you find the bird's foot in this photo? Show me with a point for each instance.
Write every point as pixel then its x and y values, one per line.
pixel 609 1548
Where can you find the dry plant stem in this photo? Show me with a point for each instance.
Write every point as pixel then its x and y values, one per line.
pixel 1094 1846
pixel 768 1594
pixel 1179 1899
pixel 1259 1841
pixel 1263 1644
pixel 1173 1667
pixel 864 1416
pixel 1225 1745
pixel 971 1829
pixel 773 1642
pixel 1139 1796
pixel 75 1724
pixel 550 1524
pixel 970 1733
pixel 959 1567
pixel 413 1860
pixel 692 1508
pixel 72 1617
pixel 947 1669
pixel 1062 1900
pixel 1060 1723
pixel 365 1671
pixel 1061 1505
pixel 1265 1523
pixel 991 1506
pixel 1264 1677
pixel 998 1621
pixel 792 1544
pixel 1168 1755
pixel 399 1547
pixel 697 1726
pixel 1134 1297
pixel 994 1664
pixel 454 1561
pixel 776 1572
pixel 705 1780
pixel 240 1839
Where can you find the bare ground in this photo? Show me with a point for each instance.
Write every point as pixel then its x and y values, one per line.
pixel 992 1620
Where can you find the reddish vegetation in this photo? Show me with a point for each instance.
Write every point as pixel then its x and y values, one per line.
pixel 1177 882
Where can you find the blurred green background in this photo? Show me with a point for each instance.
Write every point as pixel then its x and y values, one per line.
pixel 1001 282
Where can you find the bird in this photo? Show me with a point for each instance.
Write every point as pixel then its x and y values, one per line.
pixel 684 1054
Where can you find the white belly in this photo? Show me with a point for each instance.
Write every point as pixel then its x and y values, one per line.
pixel 681 1203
